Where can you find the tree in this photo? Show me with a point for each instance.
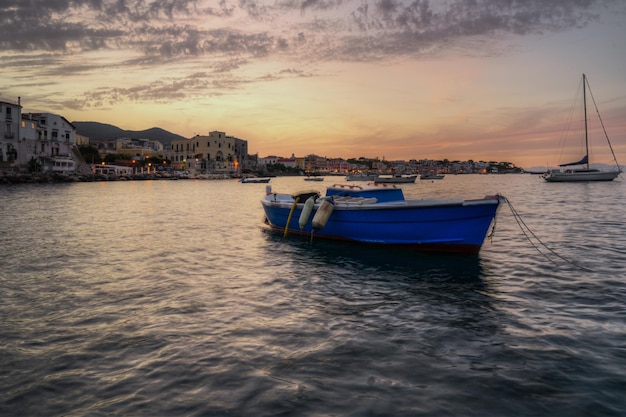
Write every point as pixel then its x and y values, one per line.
pixel 90 154
pixel 34 165
pixel 112 157
pixel 281 168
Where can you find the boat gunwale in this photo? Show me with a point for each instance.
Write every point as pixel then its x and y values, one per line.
pixel 288 203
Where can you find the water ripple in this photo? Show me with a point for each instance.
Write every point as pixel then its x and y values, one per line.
pixel 171 298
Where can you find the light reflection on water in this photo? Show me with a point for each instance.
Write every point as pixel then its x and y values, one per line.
pixel 171 298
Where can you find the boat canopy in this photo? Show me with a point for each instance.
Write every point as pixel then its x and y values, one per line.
pixel 583 161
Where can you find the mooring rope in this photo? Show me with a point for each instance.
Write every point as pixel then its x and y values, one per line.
pixel 527 232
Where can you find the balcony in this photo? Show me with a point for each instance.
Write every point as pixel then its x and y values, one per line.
pixel 9 135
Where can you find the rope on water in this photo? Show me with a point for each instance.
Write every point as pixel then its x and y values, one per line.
pixel 528 233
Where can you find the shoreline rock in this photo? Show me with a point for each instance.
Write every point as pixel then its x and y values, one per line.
pixel 56 178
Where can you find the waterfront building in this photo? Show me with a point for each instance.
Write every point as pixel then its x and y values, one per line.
pixel 215 153
pixel 10 114
pixel 269 160
pixel 315 163
pixel 291 162
pixel 36 141
pixel 138 148
pixel 339 166
pixel 48 141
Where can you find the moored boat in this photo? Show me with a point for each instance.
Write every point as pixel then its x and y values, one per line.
pixel 432 176
pixel 255 180
pixel 381 215
pixel 395 179
pixel 361 177
pixel 582 171
pixel 580 175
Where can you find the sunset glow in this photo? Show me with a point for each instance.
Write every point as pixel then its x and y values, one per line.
pixel 483 80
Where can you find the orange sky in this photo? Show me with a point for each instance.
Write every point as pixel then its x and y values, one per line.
pixel 393 79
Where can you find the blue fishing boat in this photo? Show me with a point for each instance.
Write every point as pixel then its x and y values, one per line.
pixel 381 215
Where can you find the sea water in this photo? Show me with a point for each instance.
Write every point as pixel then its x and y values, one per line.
pixel 171 298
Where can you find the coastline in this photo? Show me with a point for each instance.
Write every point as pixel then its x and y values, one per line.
pixel 51 178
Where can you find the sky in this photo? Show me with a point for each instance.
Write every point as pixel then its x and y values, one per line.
pixel 490 80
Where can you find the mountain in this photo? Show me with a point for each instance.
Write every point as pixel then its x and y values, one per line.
pixel 99 132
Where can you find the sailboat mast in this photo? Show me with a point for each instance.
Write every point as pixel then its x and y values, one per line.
pixel 585 107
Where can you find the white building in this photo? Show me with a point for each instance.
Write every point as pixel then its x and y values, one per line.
pixel 138 147
pixel 288 162
pixel 10 114
pixel 269 160
pixel 215 153
pixel 41 141
pixel 48 140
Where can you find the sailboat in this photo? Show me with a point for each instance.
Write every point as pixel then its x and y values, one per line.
pixel 584 172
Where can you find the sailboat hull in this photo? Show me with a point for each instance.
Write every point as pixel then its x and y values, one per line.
pixel 581 175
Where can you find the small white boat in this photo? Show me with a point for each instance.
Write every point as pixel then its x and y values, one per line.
pixel 254 180
pixel 395 179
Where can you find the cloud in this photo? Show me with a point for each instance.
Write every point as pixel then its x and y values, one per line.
pixel 230 36
pixel 94 24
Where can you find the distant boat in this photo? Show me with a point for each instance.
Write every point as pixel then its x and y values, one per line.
pixel 395 179
pixel 432 176
pixel 254 180
pixel 585 173
pixel 314 179
pixel 361 177
pixel 380 215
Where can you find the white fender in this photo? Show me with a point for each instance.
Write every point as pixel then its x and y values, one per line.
pixel 323 213
pixel 306 212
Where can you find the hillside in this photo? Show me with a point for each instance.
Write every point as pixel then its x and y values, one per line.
pixel 99 132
